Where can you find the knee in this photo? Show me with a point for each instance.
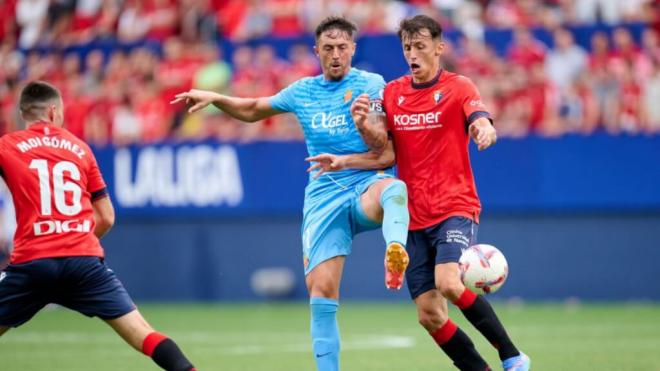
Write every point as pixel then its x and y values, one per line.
pixel 451 289
pixel 324 289
pixel 395 190
pixel 432 318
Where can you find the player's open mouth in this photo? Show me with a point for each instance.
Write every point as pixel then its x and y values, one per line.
pixel 414 67
pixel 335 66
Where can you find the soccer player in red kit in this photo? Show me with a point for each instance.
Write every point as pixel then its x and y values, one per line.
pixel 62 209
pixel 431 116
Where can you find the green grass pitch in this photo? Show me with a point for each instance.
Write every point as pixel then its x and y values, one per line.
pixel 375 336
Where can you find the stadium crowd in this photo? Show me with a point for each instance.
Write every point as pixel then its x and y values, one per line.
pixel 123 97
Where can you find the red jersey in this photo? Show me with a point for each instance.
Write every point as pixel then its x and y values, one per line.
pixel 429 123
pixel 53 178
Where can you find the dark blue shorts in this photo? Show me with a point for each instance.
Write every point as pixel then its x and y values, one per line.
pixel 441 243
pixel 84 284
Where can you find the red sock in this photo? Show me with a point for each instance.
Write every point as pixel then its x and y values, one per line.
pixel 165 352
pixel 444 333
pixel 151 342
pixel 466 300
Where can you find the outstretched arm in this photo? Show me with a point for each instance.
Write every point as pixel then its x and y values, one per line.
pixel 244 109
pixel 327 162
pixel 370 122
pixel 483 133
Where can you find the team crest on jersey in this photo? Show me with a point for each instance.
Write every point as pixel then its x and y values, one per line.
pixel 401 99
pixel 437 95
pixel 348 95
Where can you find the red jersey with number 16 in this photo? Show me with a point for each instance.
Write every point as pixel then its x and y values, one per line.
pixel 53 177
pixel 429 123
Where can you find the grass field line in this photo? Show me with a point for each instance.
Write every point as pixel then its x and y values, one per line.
pixel 296 342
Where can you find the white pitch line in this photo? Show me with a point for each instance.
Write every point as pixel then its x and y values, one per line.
pixel 292 345
pixel 355 343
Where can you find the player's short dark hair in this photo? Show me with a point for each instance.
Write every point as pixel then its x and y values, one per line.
pixel 413 26
pixel 336 23
pixel 35 97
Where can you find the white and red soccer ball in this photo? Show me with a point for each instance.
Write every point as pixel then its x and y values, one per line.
pixel 483 268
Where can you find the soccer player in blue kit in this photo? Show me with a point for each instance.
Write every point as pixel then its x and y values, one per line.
pixel 340 204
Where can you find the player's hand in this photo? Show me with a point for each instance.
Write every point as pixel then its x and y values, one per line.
pixel 198 98
pixel 326 163
pixel 483 133
pixel 360 109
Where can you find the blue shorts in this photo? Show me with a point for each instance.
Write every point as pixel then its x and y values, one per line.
pixel 441 243
pixel 330 224
pixel 84 284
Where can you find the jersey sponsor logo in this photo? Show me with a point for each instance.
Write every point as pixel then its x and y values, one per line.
pixel 477 103
pixel 417 121
pixel 457 236
pixel 53 142
pixel 336 124
pixel 47 227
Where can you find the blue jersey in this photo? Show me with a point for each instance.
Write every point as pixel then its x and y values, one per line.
pixel 323 110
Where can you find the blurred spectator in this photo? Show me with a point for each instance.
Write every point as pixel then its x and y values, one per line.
pixel 651 97
pixel 566 61
pixel 591 11
pixel 7 18
pixel 629 108
pixel 525 50
pixel 285 17
pixel 31 18
pixel 126 128
pixel 162 17
pixel 133 24
pixel 176 70
pixel 197 21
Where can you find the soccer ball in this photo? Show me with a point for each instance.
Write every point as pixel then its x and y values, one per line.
pixel 483 268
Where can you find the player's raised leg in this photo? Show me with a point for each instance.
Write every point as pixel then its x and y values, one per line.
pixel 387 200
pixel 323 285
pixel 135 330
pixel 480 313
pixel 433 316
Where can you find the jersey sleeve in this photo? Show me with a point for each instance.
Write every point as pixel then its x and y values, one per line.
pixel 95 184
pixel 285 100
pixel 2 159
pixel 473 107
pixel 375 87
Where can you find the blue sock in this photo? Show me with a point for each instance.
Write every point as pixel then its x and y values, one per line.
pixel 325 333
pixel 394 201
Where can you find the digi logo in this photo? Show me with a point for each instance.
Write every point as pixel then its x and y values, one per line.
pixel 47 227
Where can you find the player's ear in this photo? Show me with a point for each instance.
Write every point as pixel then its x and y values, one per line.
pixel 316 50
pixel 51 113
pixel 439 48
